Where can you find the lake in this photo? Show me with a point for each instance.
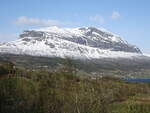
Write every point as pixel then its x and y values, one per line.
pixel 137 80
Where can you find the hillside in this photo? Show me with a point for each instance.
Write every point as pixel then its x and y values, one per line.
pixel 28 91
pixel 137 67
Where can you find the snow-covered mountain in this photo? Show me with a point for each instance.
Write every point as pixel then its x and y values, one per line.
pixel 78 43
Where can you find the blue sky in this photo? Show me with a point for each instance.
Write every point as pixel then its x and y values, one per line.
pixel 128 18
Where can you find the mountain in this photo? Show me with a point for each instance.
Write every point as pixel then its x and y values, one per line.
pixel 92 50
pixel 76 43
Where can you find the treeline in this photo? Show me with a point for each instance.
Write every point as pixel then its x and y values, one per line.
pixel 63 91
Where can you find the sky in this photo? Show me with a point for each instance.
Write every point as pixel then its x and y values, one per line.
pixel 128 18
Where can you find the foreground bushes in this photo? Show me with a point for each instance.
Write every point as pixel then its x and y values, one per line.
pixel 17 95
pixel 64 92
pixel 6 68
pixel 131 108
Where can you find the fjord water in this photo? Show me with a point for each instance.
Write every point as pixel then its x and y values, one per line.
pixel 137 80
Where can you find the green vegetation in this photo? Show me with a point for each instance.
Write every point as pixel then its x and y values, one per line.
pixel 63 91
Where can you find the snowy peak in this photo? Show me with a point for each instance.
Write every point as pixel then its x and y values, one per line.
pixel 62 31
pixel 89 36
pixel 93 31
pixel 86 42
pixel 87 31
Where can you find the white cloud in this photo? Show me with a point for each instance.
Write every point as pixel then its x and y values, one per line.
pixel 98 19
pixel 115 15
pixel 7 37
pixel 23 20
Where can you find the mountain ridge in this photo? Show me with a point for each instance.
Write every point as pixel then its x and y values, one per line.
pixel 78 43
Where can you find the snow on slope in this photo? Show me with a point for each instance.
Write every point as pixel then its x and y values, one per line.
pixel 78 43
pixel 78 32
pixel 148 55
pixel 62 31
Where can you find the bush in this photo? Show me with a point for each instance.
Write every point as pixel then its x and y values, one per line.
pixel 17 95
pixel 6 68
